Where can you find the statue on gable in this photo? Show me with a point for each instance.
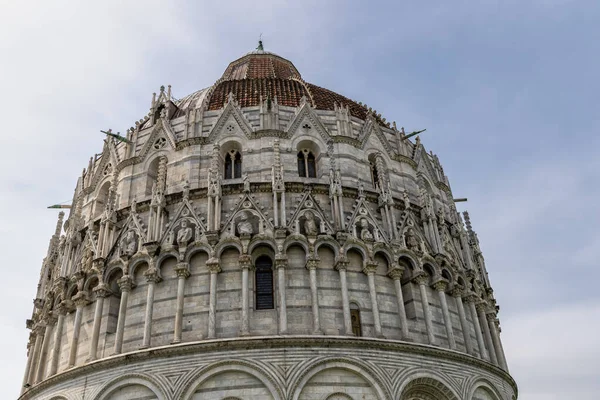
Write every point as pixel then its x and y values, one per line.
pixel 184 235
pixel 412 243
pixel 365 234
pixel 246 183
pixel 87 257
pixel 310 225
pixel 128 245
pixel 244 227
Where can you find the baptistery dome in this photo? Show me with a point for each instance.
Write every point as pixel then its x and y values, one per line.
pixel 264 238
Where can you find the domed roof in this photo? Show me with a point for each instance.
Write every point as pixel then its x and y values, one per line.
pixel 262 74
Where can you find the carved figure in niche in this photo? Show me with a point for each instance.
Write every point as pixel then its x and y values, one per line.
pixel 406 199
pixel 170 238
pixel 184 235
pixel 365 234
pixel 412 243
pixel 246 183
pixel 361 189
pixel 86 258
pixel 310 225
pixel 244 227
pixel 128 244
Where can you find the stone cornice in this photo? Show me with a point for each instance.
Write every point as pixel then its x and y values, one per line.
pixel 345 343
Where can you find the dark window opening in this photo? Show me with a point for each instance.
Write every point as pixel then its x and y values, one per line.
pixel 264 283
pixel 307 167
pixel 301 167
pixel 355 319
pixel 233 165
pixel 374 175
pixel 237 166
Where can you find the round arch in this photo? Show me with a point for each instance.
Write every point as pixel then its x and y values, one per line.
pixel 298 382
pixel 487 386
pixel 255 371
pixel 131 379
pixel 428 384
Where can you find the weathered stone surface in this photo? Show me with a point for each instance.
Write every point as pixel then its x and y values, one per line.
pixel 196 199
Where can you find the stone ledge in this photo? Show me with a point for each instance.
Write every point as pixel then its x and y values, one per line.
pixel 272 342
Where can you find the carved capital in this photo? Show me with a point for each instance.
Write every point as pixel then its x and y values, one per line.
pixel 245 261
pixel 342 264
pixel 152 274
pixel 29 324
pixel 370 268
pixel 183 270
pixel 281 262
pixel 312 263
pixel 125 283
pixel 470 297
pixel 440 285
pixel 81 299
pixel 481 307
pixel 421 279
pixel 395 272
pixel 491 316
pixel 213 265
pixel 457 291
pixel 102 290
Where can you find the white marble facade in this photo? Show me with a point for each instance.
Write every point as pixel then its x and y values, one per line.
pixel 264 251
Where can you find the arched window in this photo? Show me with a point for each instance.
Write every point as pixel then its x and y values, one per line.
pixel 264 283
pixel 374 174
pixel 355 319
pixel 233 165
pixel 307 167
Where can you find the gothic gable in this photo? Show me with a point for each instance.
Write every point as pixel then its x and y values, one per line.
pixel 231 120
pixel 249 212
pixel 362 224
pixel 308 204
pixel 306 117
pixel 162 134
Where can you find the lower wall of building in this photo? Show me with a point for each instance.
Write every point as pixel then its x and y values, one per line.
pixel 278 368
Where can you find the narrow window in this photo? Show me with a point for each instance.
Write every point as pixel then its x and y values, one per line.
pixel 355 319
pixel 307 167
pixel 228 167
pixel 310 162
pixel 301 166
pixel 237 166
pixel 374 174
pixel 264 283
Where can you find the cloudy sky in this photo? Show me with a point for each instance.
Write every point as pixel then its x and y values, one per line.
pixel 508 91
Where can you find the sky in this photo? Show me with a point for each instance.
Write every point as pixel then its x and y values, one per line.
pixel 508 91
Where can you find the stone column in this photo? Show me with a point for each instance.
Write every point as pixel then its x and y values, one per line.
pixel 480 307
pixel 395 273
pixel 457 294
pixel 183 272
pixel 311 265
pixel 125 284
pixel 101 291
pixel 214 268
pixel 41 371
pixel 498 330
pixel 280 264
pixel 422 280
pixel 152 277
pixel 441 286
pixel 246 265
pixel 62 311
pixel 470 299
pixel 496 340
pixel 39 337
pixel 28 365
pixel 80 300
pixel 341 266
pixel 369 270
